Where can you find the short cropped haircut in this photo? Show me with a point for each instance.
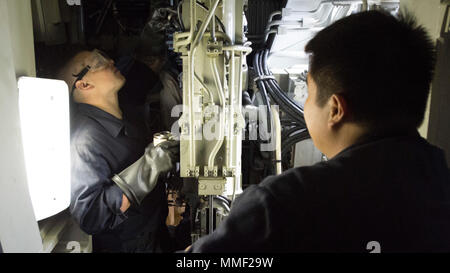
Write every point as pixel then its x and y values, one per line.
pixel 382 65
pixel 69 65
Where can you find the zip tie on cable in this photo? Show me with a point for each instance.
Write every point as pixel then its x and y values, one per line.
pixel 264 77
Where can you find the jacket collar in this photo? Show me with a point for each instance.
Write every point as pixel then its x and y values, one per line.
pixel 112 124
pixel 373 137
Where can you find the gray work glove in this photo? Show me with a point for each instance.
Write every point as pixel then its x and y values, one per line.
pixel 141 177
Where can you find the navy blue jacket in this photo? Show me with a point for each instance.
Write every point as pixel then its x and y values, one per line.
pixel 386 193
pixel 101 146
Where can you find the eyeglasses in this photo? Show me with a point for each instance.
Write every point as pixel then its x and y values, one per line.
pixel 97 61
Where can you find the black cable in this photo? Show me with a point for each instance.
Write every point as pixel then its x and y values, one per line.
pixel 295 117
pixel 270 85
pixel 294 125
pixel 285 108
pixel 288 123
pixel 268 170
pixel 263 90
pixel 258 67
pixel 179 16
pixel 287 133
pixel 286 120
pixel 298 133
pixel 278 98
pixel 276 87
pixel 285 98
pixel 224 199
pixel 287 145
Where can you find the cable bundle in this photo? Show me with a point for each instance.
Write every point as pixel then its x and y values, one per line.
pixel 293 121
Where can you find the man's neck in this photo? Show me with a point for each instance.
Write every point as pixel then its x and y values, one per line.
pixel 109 104
pixel 348 135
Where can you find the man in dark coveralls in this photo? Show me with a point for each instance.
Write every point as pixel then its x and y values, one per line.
pixel 122 215
pixel 384 187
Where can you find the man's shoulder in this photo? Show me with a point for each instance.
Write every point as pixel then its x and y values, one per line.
pixel 301 181
pixel 301 175
pixel 346 173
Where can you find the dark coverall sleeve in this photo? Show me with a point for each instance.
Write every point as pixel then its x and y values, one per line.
pixel 250 227
pixel 95 198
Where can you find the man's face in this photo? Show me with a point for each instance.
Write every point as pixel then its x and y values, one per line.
pixel 105 76
pixel 316 117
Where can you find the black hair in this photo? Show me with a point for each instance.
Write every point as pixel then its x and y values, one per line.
pixel 380 64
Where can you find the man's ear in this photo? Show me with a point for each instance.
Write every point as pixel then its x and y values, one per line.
pixel 338 110
pixel 83 85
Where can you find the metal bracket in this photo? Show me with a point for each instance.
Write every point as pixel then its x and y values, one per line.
pixel 214 48
pixel 211 186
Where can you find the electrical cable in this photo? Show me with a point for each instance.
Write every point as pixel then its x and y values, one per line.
pixel 263 90
pixel 292 110
pixel 276 87
pixel 179 16
pixel 288 132
pixel 286 104
pixel 288 143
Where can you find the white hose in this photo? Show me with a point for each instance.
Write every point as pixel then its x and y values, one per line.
pixel 277 123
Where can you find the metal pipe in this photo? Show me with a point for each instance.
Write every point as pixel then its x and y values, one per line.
pixel 238 172
pixel 213 26
pixel 204 25
pixel 231 120
pixel 182 34
pixel 210 94
pixel 221 94
pixel 277 126
pixel 191 54
pixel 211 213
pixel 240 82
pixel 244 49
pixel 229 17
pixel 217 18
pixel 189 86
pixel 191 113
pixel 191 29
pixel 220 34
pixel 180 20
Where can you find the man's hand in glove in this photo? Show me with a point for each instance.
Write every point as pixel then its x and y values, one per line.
pixel 141 177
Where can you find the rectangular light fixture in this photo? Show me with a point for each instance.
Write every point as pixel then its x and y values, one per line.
pixel 45 126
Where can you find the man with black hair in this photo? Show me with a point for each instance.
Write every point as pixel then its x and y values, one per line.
pixel 384 187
